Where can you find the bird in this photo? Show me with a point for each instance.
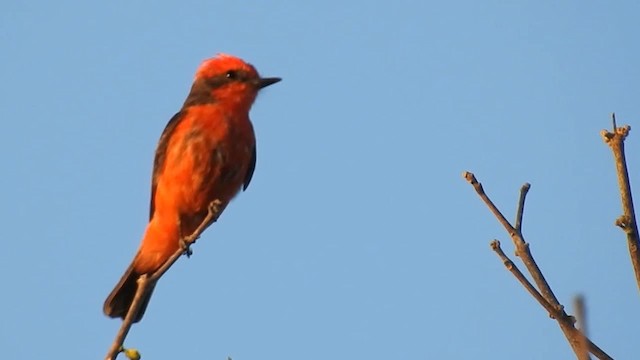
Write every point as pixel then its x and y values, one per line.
pixel 206 154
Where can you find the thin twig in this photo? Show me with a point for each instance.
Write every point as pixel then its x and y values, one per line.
pixel 513 268
pixel 520 212
pixel 627 221
pixel 550 302
pixel 522 247
pixel 212 216
pixel 560 316
pixel 145 283
pixel 579 308
pixel 116 346
pixel 494 209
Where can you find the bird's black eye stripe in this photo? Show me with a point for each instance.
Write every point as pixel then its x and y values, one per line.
pixel 226 78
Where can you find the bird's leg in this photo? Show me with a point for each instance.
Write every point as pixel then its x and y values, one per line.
pixel 211 217
pixel 184 243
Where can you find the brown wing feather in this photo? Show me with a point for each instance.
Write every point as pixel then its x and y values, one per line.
pixel 252 167
pixel 161 150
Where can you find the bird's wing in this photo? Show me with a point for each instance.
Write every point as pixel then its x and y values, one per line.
pixel 252 167
pixel 161 151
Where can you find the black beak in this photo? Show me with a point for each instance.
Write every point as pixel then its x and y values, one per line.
pixel 264 82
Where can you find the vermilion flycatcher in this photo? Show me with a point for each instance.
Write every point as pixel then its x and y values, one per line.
pixel 206 153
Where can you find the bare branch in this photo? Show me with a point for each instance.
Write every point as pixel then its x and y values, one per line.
pixel 522 247
pixel 116 346
pixel 212 216
pixel 520 212
pixel 471 179
pixel 578 306
pixel 543 294
pixel 627 221
pixel 553 312
pixel 146 283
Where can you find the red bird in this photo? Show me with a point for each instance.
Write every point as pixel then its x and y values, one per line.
pixel 206 153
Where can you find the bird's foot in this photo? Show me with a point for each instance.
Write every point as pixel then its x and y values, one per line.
pixel 185 244
pixel 187 241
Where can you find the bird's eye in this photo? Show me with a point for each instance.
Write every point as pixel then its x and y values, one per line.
pixel 231 74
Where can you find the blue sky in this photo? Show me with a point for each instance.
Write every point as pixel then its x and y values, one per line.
pixel 358 237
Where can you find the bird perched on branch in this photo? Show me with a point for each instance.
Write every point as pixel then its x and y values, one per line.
pixel 206 154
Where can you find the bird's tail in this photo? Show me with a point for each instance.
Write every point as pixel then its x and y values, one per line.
pixel 121 297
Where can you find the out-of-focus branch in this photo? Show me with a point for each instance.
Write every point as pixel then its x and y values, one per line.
pixel 146 283
pixel 627 221
pixel 581 319
pixel 543 294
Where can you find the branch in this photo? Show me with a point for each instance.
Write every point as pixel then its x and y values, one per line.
pixel 578 306
pixel 553 311
pixel 627 221
pixel 543 294
pixel 116 347
pixel 146 282
pixel 212 216
pixel 522 247
pixel 520 212
pixel 471 179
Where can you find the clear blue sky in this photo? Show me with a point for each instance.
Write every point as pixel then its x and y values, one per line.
pixel 358 238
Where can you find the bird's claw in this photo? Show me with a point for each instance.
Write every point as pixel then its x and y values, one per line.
pixel 185 243
pixel 186 247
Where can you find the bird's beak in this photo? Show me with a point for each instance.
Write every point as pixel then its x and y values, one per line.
pixel 264 82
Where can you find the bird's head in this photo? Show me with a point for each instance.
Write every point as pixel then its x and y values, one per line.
pixel 229 80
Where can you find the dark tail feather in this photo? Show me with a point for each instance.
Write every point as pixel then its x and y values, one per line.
pixel 121 297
